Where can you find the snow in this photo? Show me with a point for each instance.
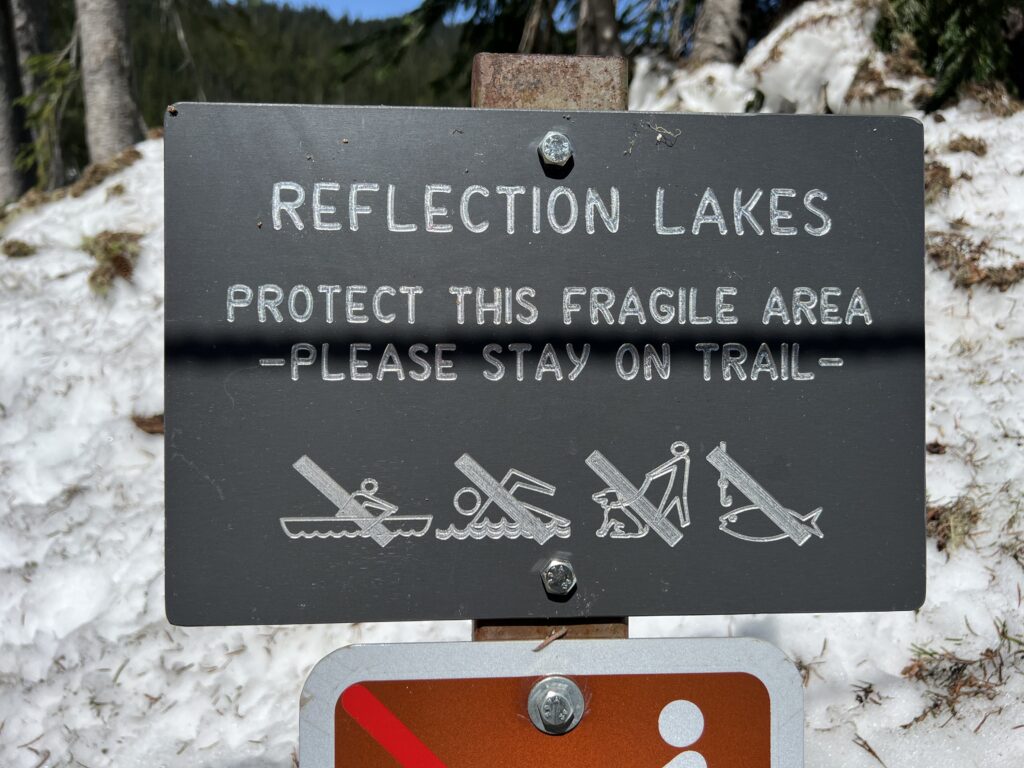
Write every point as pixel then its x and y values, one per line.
pixel 91 673
pixel 90 669
pixel 803 65
pixel 975 361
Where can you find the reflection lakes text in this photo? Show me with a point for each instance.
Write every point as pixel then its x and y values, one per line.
pixel 779 212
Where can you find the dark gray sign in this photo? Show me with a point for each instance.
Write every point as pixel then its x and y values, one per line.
pixel 432 364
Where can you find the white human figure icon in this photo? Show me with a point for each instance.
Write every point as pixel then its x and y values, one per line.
pixel 681 724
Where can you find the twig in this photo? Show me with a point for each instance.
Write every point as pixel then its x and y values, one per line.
pixel 556 634
pixel 862 743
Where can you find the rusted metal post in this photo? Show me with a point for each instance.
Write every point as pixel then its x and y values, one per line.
pixel 514 81
pixel 574 629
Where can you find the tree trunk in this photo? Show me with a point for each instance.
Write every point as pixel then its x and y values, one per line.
pixel 720 32
pixel 676 40
pixel 12 182
pixel 597 29
pixel 538 27
pixel 111 117
pixel 1015 41
pixel 28 20
pixel 30 29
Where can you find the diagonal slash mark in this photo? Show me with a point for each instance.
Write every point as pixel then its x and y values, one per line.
pixel 798 528
pixel 341 498
pixel 505 500
pixel 626 490
pixel 386 729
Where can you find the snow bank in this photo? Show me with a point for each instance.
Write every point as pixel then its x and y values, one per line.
pixel 811 63
pixel 89 668
pixel 90 672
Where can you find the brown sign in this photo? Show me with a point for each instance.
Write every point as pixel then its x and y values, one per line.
pixel 642 721
pixel 669 704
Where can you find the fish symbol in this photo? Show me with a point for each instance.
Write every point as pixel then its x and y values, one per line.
pixel 792 525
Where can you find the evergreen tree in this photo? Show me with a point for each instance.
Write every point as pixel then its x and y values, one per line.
pixel 249 50
pixel 956 42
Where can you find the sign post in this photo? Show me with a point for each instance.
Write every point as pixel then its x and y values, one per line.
pixel 512 81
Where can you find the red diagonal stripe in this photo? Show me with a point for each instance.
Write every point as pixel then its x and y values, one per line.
pixel 386 729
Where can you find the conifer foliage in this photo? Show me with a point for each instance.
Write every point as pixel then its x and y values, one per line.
pixel 956 41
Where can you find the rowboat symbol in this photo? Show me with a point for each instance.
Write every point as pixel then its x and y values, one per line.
pixel 362 514
pixel 791 525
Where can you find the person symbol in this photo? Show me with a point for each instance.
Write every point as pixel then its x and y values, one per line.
pixel 681 724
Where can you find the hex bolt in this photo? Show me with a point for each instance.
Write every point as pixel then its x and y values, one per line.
pixel 555 148
pixel 555 705
pixel 559 577
pixel 556 710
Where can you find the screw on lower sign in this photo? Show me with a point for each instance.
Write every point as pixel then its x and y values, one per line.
pixel 555 705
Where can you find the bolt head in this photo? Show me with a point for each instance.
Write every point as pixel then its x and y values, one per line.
pixel 555 705
pixel 555 148
pixel 559 577
pixel 555 709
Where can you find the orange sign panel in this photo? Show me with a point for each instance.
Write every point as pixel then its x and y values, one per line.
pixel 717 703
pixel 646 721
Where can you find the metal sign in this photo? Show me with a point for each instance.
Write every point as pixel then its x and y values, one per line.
pixel 642 703
pixel 432 363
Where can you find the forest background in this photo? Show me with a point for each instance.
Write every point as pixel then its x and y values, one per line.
pixel 131 58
